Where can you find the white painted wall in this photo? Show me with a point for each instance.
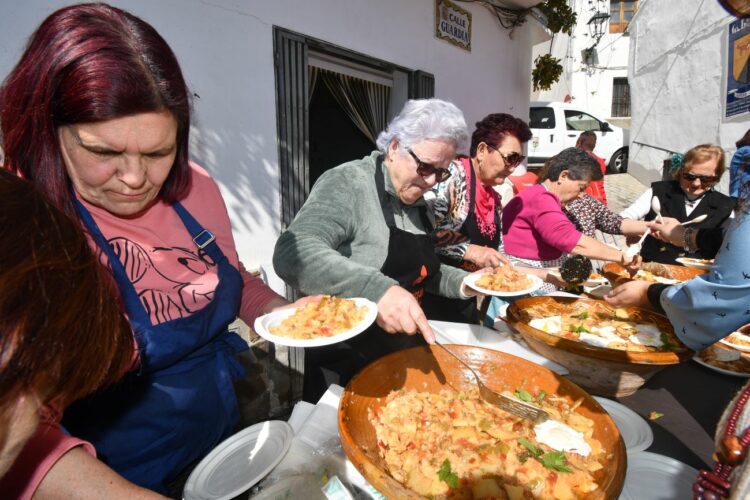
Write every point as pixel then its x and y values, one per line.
pixel 677 83
pixel 225 50
pixel 590 87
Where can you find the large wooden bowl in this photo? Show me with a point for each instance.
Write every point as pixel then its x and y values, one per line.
pixel 616 274
pixel 431 369
pixel 600 370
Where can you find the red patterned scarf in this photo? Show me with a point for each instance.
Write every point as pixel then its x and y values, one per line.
pixel 484 205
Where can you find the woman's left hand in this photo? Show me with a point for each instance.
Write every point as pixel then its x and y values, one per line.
pixel 485 256
pixel 632 293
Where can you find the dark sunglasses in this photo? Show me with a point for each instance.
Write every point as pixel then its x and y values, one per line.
pixel 512 159
pixel 705 179
pixel 427 169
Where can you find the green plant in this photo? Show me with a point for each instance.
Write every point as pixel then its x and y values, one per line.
pixel 547 70
pixel 560 17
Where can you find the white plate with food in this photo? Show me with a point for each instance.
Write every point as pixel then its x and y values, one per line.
pixel 657 477
pixel 724 360
pixel 503 281
pixel 737 340
pixel 239 462
pixel 595 279
pixel 696 263
pixel 635 431
pixel 327 322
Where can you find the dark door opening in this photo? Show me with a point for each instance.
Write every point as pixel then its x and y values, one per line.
pixel 334 138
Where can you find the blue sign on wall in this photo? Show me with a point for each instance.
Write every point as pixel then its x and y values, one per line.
pixel 738 73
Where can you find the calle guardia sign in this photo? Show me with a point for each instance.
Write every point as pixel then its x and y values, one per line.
pixel 452 23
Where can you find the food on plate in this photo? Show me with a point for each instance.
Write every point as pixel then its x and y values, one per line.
pixel 738 339
pixel 595 277
pixel 651 276
pixel 326 318
pixel 700 262
pixel 504 279
pixel 597 323
pixel 454 444
pixel 725 358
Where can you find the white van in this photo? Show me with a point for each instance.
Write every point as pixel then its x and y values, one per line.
pixel 556 126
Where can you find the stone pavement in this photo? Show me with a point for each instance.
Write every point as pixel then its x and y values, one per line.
pixel 622 190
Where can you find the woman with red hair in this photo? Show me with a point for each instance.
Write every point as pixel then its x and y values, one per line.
pixel 96 114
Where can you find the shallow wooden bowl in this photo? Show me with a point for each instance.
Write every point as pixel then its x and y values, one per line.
pixel 616 274
pixel 600 370
pixel 431 369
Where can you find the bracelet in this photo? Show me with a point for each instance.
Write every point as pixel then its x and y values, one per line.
pixel 689 246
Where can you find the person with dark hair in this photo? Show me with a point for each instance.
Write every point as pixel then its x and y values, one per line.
pixel 62 337
pixel 535 230
pixel 739 167
pixel 96 114
pixel 688 195
pixel 467 208
pixel 587 142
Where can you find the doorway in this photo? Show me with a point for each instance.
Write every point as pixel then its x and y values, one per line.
pixel 334 137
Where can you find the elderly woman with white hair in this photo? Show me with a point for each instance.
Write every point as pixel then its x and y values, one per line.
pixel 364 231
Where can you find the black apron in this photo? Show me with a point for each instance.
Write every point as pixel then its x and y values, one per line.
pixel 411 260
pixel 441 308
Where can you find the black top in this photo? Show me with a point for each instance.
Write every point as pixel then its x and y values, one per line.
pixel 672 198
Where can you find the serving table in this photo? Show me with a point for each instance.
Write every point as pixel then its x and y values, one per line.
pixel 689 397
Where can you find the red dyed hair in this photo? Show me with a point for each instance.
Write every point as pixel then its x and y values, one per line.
pixel 492 129
pixel 89 63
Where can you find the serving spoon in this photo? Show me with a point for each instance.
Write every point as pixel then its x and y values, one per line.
pixel 656 207
pixel 635 248
pixel 698 219
pixel 505 402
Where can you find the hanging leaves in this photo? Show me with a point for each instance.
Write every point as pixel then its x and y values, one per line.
pixel 547 70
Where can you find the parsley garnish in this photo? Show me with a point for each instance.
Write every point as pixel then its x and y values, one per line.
pixel 540 396
pixel 524 395
pixel 555 460
pixel 552 460
pixel 579 329
pixel 669 346
pixel 583 315
pixel 446 475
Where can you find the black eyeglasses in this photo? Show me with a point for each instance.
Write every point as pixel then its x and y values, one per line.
pixel 705 179
pixel 427 169
pixel 512 160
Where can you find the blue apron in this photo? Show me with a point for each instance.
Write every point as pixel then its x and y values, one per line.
pixel 181 402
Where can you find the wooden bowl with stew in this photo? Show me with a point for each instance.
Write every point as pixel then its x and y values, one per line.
pixel 430 369
pixel 616 274
pixel 604 371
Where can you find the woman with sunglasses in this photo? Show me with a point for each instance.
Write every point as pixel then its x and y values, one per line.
pixel 364 232
pixel 467 208
pixel 690 194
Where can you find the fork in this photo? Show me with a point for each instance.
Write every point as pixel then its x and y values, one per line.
pixel 503 401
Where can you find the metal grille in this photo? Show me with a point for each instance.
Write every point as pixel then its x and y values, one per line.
pixel 620 97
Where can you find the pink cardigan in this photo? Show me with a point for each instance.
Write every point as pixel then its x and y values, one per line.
pixel 535 227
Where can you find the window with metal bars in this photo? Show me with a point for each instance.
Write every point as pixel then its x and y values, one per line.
pixel 620 97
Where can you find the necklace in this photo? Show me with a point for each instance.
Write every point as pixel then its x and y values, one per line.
pixel 714 484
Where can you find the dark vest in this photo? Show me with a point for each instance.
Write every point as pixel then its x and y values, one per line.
pixel 717 206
